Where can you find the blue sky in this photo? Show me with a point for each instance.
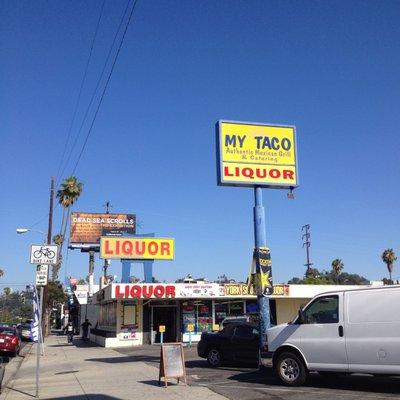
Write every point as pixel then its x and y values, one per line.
pixel 329 68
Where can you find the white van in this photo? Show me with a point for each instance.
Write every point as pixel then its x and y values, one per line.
pixel 340 332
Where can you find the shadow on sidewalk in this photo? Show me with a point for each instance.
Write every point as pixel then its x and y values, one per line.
pixel 91 396
pixel 78 342
pixel 125 359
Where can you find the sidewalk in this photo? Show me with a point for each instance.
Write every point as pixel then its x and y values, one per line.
pixel 84 371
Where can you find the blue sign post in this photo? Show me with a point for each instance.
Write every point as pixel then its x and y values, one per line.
pixel 260 241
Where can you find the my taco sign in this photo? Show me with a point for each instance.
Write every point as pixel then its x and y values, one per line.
pixel 251 154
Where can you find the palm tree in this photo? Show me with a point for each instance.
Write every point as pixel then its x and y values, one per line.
pixel 337 268
pixel 7 291
pixel 67 195
pixel 1 273
pixel 389 257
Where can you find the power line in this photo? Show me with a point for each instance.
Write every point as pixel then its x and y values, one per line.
pixel 58 175
pixel 105 87
pixel 124 13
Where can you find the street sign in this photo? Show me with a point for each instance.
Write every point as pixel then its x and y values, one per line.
pixel 41 275
pixel 44 254
pixel 161 328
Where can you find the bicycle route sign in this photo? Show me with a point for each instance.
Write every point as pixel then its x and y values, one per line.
pixel 44 254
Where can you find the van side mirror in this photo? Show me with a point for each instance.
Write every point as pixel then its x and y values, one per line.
pixel 301 316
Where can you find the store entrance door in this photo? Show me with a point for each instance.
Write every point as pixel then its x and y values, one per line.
pixel 165 315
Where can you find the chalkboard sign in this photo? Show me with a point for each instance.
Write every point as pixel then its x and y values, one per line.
pixel 172 362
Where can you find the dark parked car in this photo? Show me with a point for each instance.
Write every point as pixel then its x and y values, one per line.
pixel 237 342
pixel 9 340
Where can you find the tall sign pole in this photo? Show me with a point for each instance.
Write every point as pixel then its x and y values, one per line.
pixel 258 156
pixel 260 242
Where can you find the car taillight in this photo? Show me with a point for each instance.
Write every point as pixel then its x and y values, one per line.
pixel 14 340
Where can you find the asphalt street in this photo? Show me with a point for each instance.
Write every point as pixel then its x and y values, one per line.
pixel 247 383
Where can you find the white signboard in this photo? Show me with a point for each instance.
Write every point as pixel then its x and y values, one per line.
pixel 81 296
pixel 44 254
pixel 41 275
pixel 194 290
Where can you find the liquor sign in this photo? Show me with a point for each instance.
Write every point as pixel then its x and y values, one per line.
pixel 252 154
pixel 41 275
pixel 137 248
pixel 44 254
pixel 87 228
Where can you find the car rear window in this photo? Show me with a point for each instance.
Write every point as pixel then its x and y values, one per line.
pixel 28 327
pixel 7 331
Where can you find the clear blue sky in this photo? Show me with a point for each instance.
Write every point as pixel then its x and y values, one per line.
pixel 330 68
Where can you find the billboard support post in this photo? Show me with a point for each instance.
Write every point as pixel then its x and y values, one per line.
pixel 261 241
pixel 126 271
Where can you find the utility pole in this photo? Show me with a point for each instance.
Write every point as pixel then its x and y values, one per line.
pixel 106 261
pixel 306 237
pixel 44 293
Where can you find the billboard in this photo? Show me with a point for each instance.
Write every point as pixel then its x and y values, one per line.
pixel 87 228
pixel 252 154
pixel 137 248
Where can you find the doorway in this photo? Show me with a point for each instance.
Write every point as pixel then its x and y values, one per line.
pixel 164 315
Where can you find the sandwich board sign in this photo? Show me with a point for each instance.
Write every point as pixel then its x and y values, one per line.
pixel 41 275
pixel 172 362
pixel 44 254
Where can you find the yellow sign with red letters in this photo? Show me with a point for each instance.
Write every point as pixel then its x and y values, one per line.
pixel 137 248
pixel 251 154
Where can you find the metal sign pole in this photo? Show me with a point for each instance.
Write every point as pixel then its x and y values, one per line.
pixel 261 241
pixel 40 339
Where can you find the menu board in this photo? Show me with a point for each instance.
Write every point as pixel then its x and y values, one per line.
pixel 172 362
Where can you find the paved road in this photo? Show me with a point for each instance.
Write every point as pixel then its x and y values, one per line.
pixel 247 383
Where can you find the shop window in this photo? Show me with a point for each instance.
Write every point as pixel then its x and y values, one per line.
pixel 197 313
pixel 129 314
pixel 108 315
pixel 236 308
pixel 221 311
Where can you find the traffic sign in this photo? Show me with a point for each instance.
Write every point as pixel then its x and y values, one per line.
pixel 41 275
pixel 44 254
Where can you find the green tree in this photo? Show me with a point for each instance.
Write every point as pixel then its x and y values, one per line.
pixel 7 291
pixel 337 268
pixel 1 273
pixel 389 257
pixel 67 195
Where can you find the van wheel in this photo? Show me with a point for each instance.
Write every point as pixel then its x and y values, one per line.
pixel 214 357
pixel 291 369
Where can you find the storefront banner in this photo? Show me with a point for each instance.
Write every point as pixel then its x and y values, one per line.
pixel 243 290
pixel 253 154
pixel 184 290
pixel 142 291
pixel 165 291
pixel 137 248
pixel 87 228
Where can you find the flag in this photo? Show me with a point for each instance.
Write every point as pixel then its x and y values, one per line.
pixel 35 327
pixel 261 272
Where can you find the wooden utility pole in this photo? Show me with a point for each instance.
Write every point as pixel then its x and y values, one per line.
pixel 49 232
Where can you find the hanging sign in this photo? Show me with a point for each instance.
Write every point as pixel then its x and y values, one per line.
pixel 137 248
pixel 172 362
pixel 44 254
pixel 261 272
pixel 252 154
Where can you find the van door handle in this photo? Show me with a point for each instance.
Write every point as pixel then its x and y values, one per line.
pixel 340 330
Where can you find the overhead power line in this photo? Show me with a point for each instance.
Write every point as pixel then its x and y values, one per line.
pixel 105 86
pixel 123 16
pixel 58 175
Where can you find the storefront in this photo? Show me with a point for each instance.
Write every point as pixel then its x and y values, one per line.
pixel 131 314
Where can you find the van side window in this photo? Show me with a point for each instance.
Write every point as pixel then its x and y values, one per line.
pixel 324 310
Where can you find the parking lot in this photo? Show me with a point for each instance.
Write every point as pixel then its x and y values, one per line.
pixel 246 383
